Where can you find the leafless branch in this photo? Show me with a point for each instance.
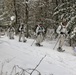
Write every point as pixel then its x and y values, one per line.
pixel 37 65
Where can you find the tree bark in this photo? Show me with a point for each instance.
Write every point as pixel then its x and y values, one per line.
pixel 15 9
pixel 26 22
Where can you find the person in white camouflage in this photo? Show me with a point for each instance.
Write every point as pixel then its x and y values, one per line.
pixel 22 33
pixel 62 31
pixel 11 32
pixel 39 32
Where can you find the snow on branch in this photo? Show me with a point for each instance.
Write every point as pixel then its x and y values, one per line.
pixel 3 14
pixel 1 18
pixel 26 2
pixel 37 65
pixel 72 19
pixel 61 5
pixel 51 20
pixel 60 10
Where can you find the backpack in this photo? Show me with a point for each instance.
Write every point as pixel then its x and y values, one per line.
pixel 20 28
pixel 35 28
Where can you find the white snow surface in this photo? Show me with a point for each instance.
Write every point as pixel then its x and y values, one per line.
pixel 26 56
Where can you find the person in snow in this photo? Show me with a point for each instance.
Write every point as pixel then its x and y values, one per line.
pixel 11 32
pixel 73 37
pixel 62 31
pixel 40 34
pixel 22 33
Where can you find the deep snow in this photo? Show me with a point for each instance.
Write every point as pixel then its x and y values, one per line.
pixel 26 56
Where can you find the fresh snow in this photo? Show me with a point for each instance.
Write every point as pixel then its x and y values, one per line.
pixel 26 57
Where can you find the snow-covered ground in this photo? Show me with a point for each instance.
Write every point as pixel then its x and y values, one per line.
pixel 16 57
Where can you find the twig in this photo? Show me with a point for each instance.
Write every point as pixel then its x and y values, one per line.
pixel 35 70
pixel 22 69
pixel 37 65
pixel 6 73
pixel 6 61
pixel 14 67
pixel 2 68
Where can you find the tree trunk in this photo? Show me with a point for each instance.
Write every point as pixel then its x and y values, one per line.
pixel 57 10
pixel 15 9
pixel 27 19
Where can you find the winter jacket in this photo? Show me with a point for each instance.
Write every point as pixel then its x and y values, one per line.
pixel 11 29
pixel 22 29
pixel 62 29
pixel 39 30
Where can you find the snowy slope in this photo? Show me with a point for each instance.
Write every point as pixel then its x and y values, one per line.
pixel 27 57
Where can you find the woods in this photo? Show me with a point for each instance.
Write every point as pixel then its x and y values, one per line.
pixel 32 12
pixel 31 30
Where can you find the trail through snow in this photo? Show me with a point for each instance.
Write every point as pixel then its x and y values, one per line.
pixel 26 56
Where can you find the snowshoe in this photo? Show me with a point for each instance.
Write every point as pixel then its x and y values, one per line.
pixel 60 49
pixel 24 40
pixel 41 45
pixel 37 44
pixel 12 37
pixel 20 41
